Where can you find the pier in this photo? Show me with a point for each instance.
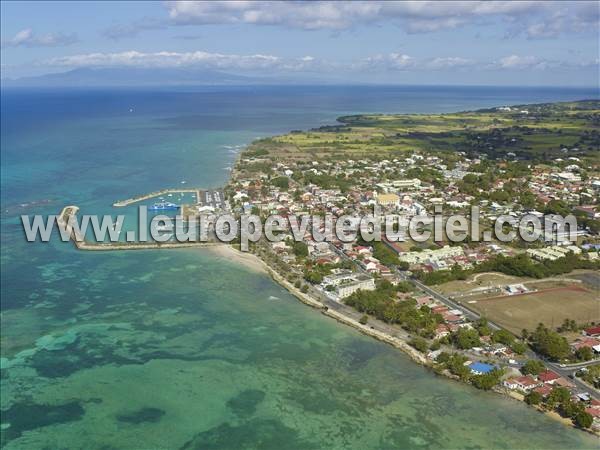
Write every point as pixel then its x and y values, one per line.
pixel 140 198
pixel 70 212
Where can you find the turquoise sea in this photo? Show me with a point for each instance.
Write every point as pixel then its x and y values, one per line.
pixel 181 348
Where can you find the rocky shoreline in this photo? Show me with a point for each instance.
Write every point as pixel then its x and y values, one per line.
pixel 254 262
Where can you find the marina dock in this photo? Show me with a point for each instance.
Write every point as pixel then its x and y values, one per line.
pixel 140 198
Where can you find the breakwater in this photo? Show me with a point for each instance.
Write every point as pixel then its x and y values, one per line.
pixel 68 216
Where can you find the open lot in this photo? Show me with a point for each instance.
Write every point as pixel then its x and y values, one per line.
pixel 478 281
pixel 549 306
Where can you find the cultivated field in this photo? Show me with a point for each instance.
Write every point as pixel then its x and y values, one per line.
pixel 549 306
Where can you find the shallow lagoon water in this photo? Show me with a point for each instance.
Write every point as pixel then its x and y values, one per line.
pixel 183 349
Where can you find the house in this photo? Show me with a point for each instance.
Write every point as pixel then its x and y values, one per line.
pixel 543 390
pixel 441 331
pixel 362 250
pixel 479 368
pixel 589 211
pixel 440 309
pixel 590 342
pixel 593 331
pixel 452 318
pixel 524 383
pixel 548 377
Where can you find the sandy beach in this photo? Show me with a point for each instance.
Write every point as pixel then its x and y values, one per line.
pixel 247 259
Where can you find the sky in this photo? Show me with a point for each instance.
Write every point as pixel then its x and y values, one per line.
pixel 469 43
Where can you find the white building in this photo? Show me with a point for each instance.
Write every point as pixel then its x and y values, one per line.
pixel 349 285
pixel 431 255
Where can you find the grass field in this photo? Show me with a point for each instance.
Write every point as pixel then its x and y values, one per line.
pixel 549 306
pixel 539 135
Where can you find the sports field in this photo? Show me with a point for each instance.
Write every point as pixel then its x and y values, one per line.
pixel 549 306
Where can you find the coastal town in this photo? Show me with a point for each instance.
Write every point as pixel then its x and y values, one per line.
pixel 521 317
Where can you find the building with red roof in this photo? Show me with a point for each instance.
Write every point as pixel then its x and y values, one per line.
pixel 548 377
pixel 544 390
pixel 524 383
pixel 593 331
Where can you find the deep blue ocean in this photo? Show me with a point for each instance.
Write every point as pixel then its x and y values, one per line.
pixel 183 348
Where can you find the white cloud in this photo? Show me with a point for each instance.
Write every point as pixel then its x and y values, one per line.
pixel 199 59
pixel 414 16
pixel 27 38
pixel 449 63
pixel 515 62
pixel 259 62
pixel 399 61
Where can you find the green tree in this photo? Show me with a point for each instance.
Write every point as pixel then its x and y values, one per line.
pixel 455 363
pixel 518 347
pixel 533 398
pixel 503 337
pixel 435 345
pixel 488 380
pixel 300 249
pixel 402 265
pixel 550 343
pixel 559 395
pixel 419 344
pixel 583 419
pixel 363 319
pixel 466 338
pixel 313 276
pixel 384 254
pixel 584 353
pixel 281 182
pixel 533 367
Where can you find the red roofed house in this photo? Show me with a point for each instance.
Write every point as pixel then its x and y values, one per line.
pixel 525 383
pixel 593 331
pixel 544 390
pixel 439 309
pixel 441 331
pixel 452 318
pixel 421 301
pixel 548 377
pixel 586 342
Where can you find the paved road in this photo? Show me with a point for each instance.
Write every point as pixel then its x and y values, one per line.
pixel 451 303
